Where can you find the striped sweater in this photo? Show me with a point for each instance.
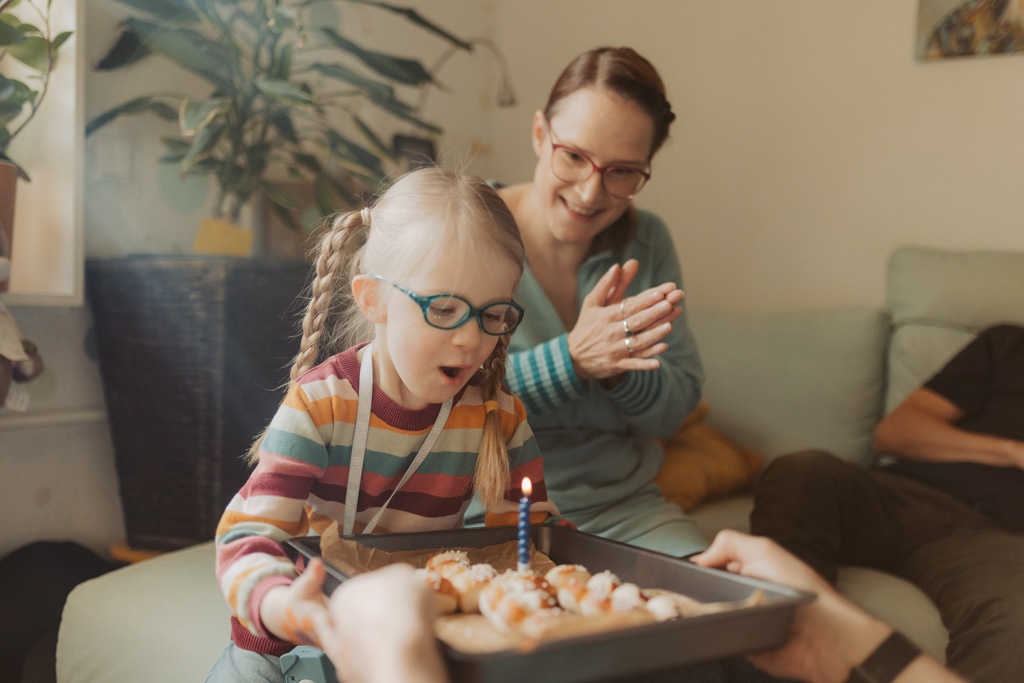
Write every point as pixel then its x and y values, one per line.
pixel 299 485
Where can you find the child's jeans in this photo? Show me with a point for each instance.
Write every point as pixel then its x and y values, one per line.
pixel 236 665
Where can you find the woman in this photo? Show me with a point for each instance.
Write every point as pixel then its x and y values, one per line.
pixel 604 361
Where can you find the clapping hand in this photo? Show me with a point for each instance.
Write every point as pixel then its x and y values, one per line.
pixel 615 334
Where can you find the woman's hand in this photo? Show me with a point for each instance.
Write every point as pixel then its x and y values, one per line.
pixel 614 334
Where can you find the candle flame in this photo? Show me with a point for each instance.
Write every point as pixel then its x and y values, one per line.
pixel 527 486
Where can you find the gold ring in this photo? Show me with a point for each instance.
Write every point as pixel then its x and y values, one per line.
pixel 629 345
pixel 625 328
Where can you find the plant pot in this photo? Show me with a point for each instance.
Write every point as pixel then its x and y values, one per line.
pixel 8 190
pixel 194 353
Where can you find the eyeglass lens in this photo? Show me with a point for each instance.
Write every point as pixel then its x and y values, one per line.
pixel 571 166
pixel 449 312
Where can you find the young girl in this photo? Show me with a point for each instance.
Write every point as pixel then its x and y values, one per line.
pixel 393 435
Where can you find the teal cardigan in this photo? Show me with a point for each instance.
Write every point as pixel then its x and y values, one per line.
pixel 599 446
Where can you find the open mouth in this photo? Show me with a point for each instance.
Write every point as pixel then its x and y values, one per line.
pixel 451 372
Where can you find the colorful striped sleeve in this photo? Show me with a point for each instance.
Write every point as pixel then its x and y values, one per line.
pixel 543 377
pixel 269 509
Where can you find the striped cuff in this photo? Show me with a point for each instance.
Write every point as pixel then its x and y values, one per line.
pixel 637 393
pixel 543 377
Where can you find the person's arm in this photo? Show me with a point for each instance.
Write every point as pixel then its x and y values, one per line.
pixel 655 403
pixel 268 510
pixel 923 427
pixel 830 636
pixel 655 388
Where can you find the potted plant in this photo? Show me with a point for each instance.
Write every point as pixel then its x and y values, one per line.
pixel 193 350
pixel 289 101
pixel 28 54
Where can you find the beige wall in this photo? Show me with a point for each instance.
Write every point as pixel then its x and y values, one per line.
pixel 809 142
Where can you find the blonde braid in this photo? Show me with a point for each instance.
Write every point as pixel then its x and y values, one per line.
pixel 492 466
pixel 330 264
pixel 338 248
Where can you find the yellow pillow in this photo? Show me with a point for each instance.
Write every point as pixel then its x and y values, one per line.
pixel 702 464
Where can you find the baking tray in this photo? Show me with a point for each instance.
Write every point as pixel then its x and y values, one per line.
pixel 615 654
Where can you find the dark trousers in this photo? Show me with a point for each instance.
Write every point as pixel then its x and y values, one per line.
pixel 831 513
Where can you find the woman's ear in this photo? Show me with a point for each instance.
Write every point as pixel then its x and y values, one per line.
pixel 366 292
pixel 539 132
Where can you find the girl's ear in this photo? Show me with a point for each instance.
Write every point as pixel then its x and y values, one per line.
pixel 366 292
pixel 539 132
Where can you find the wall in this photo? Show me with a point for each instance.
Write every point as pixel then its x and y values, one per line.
pixel 809 144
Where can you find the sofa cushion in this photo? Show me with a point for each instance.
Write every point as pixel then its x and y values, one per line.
pixel 162 620
pixel 785 381
pixel 938 300
pixel 702 464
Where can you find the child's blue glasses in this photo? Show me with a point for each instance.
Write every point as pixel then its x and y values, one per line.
pixel 448 311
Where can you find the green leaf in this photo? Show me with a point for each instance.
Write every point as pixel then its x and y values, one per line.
pixel 176 144
pixel 407 71
pixel 309 162
pixel 59 40
pixel 205 142
pixel 341 73
pixel 176 150
pixel 194 114
pixel 341 189
pixel 170 158
pixel 359 157
pixel 286 214
pixel 32 52
pixel 195 52
pixel 282 123
pixel 379 147
pixel 177 11
pixel 403 111
pixel 322 195
pixel 418 19
pixel 147 103
pixel 10 35
pixel 127 50
pixel 6 88
pixel 280 197
pixel 10 110
pixel 283 64
pixel 283 91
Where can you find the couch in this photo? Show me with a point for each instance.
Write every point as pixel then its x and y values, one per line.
pixel 777 382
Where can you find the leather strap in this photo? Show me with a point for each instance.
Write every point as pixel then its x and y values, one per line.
pixel 887 661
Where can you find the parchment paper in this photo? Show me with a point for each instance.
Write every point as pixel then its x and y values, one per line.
pixel 473 633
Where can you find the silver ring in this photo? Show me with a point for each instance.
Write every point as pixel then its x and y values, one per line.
pixel 622 308
pixel 629 345
pixel 625 328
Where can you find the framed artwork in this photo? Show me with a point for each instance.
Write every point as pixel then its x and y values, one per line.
pixel 966 28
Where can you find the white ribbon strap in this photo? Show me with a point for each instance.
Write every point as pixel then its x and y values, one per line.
pixel 359 439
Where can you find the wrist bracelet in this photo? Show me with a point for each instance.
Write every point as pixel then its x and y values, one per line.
pixel 887 661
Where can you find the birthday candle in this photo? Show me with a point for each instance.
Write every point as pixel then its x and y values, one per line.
pixel 524 527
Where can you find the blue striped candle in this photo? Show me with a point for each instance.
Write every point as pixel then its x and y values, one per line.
pixel 524 527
